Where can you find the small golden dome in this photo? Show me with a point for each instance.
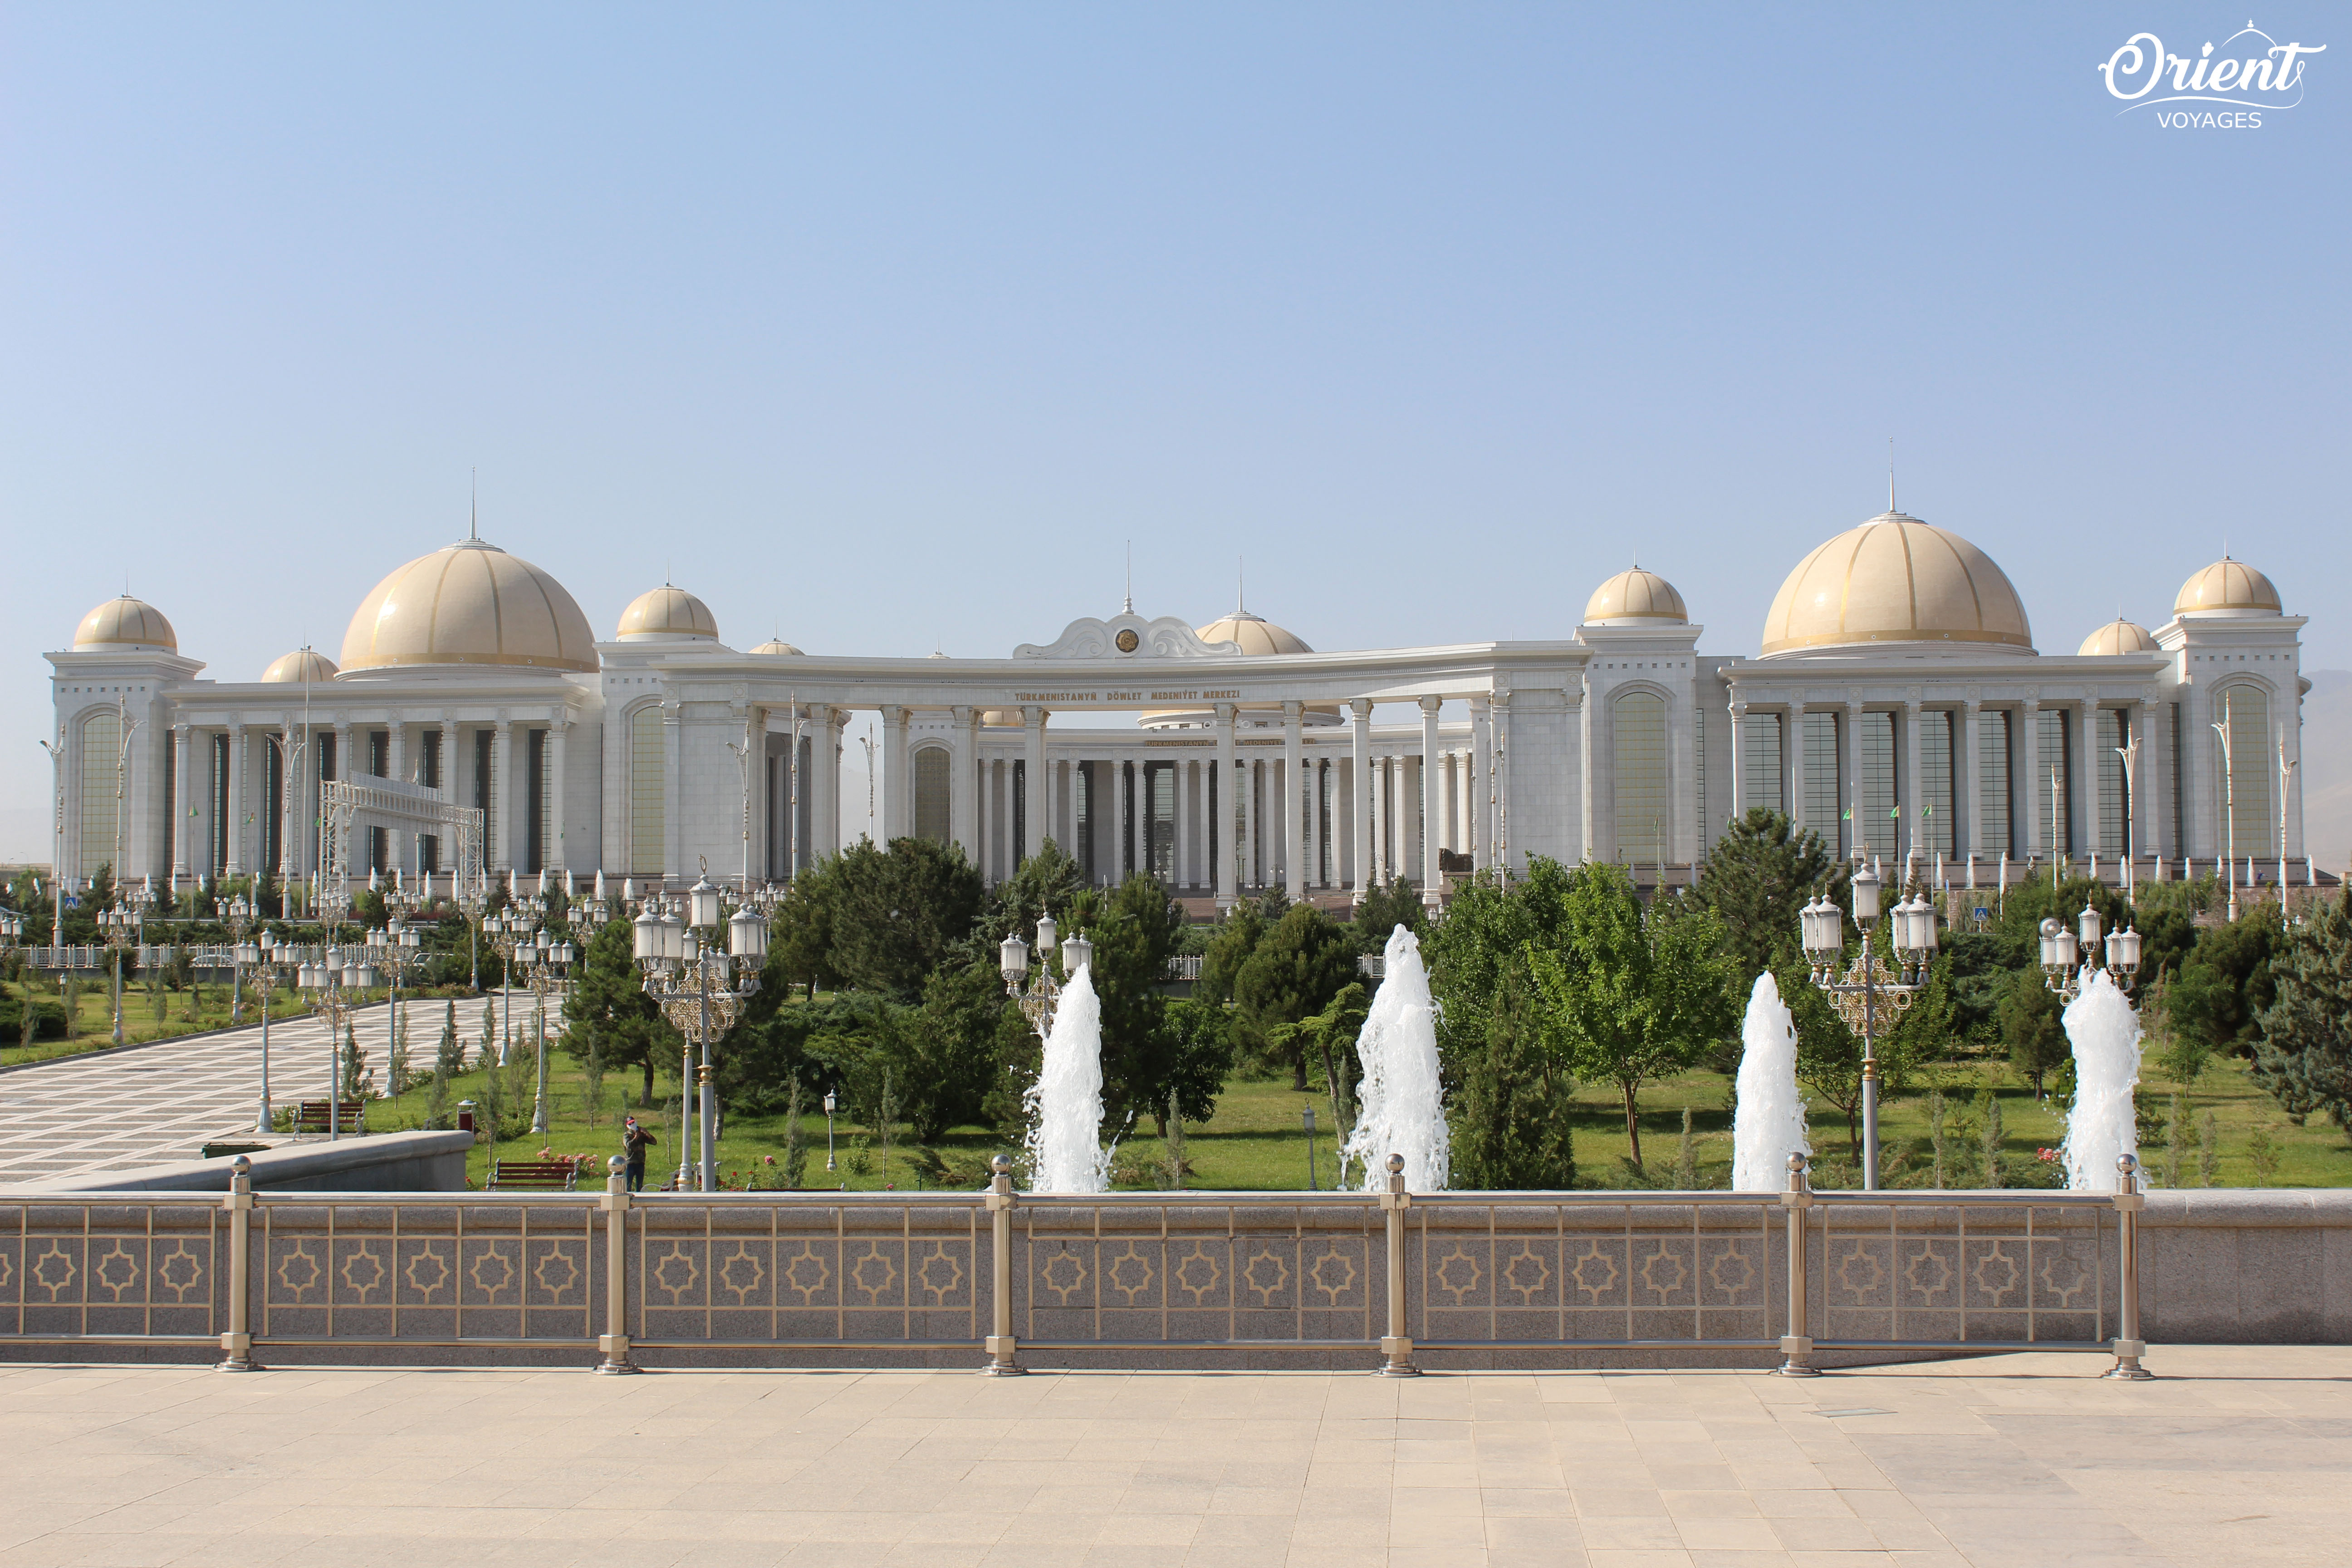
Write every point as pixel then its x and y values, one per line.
pixel 303 664
pixel 469 604
pixel 1257 635
pixel 1895 580
pixel 124 626
pixel 1630 598
pixel 2118 636
pixel 668 614
pixel 776 645
pixel 2227 588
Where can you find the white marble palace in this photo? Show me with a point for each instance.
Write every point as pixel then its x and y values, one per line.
pixel 1895 703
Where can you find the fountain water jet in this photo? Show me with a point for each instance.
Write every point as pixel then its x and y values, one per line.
pixel 1066 1104
pixel 1404 1100
pixel 2103 1124
pixel 1769 1124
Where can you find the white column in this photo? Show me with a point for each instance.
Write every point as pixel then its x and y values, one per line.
pixel 558 860
pixel 2147 787
pixel 235 800
pixel 1318 874
pixel 2026 746
pixel 1912 797
pixel 1967 829
pixel 2083 786
pixel 1359 795
pixel 897 798
pixel 1218 841
pixel 1379 814
pixel 1482 809
pixel 984 802
pixel 1122 813
pixel 1738 759
pixel 180 812
pixel 1432 808
pixel 1246 836
pixel 1182 869
pixel 1033 809
pixel 1294 805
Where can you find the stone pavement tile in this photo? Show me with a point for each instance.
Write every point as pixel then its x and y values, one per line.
pixel 1278 1501
pixel 955 1529
pixel 1801 1502
pixel 1319 1501
pixel 1451 1530
pixel 1710 1504
pixel 1244 1529
pixel 1692 1478
pixel 1437 1557
pixel 1602 1502
pixel 1537 1534
pixel 1452 1503
pixel 1367 1533
pixel 1026 1554
pixel 1517 1502
pixel 1125 1529
pixel 1629 1533
pixel 1050 1529
pixel 1535 1557
pixel 1520 1477
pixel 1075 1500
pixel 1727 1535
pixel 1153 1497
pixel 1610 1557
pixel 1437 1475
pixel 1712 1559
pixel 1826 1534
pixel 1129 1556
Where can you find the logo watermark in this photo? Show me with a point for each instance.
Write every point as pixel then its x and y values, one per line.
pixel 2251 72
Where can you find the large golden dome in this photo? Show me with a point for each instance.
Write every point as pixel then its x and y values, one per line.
pixel 1896 580
pixel 668 614
pixel 1257 635
pixel 1635 598
pixel 2227 588
pixel 469 604
pixel 2118 636
pixel 125 625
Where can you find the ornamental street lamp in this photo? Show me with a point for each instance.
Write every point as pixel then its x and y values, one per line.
pixel 121 925
pixel 2062 950
pixel 828 1128
pixel 700 989
pixel 471 902
pixel 1044 994
pixel 237 915
pixel 397 949
pixel 333 983
pixel 507 931
pixel 1867 986
pixel 264 958
pixel 545 962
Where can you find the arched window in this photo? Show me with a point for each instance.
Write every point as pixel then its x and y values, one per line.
pixel 1645 825
pixel 101 756
pixel 2246 782
pixel 932 793
pixel 649 771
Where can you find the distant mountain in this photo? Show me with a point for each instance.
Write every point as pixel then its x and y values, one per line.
pixel 2328 769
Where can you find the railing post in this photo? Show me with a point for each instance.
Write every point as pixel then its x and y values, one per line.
pixel 1396 1345
pixel 1003 1349
pixel 1796 1345
pixel 613 1343
pixel 2130 1346
pixel 237 1339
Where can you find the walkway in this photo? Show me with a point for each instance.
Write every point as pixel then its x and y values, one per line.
pixel 162 1102
pixel 2238 1455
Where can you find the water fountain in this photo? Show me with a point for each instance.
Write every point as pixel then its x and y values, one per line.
pixel 2103 1125
pixel 1769 1124
pixel 1403 1102
pixel 1065 1103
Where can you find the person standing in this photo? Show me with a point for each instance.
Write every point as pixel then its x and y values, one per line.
pixel 635 1142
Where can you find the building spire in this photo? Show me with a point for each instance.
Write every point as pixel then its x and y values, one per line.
pixel 1890 473
pixel 1241 583
pixel 1130 577
pixel 474 507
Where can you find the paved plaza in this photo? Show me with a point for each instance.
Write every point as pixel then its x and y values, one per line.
pixel 2236 1455
pixel 152 1103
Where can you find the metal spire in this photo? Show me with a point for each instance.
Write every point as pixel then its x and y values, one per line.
pixel 474 507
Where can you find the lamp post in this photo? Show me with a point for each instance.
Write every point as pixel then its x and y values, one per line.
pixel 507 931
pixel 471 902
pixel 121 925
pixel 700 989
pixel 2063 949
pixel 545 964
pixel 828 1128
pixel 2229 800
pixel 1868 985
pixel 331 984
pixel 1038 1000
pixel 2286 786
pixel 237 915
pixel 397 948
pixel 2129 753
pixel 262 956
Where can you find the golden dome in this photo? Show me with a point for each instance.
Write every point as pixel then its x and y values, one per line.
pixel 124 626
pixel 666 614
pixel 1257 636
pixel 1895 580
pixel 2118 636
pixel 469 604
pixel 776 645
pixel 303 664
pixel 2227 587
pixel 1632 597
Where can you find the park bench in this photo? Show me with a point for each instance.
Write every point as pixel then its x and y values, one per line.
pixel 351 1116
pixel 532 1175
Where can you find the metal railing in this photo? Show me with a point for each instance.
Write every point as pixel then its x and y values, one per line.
pixel 1794 1275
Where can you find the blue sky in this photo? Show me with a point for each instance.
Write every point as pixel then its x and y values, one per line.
pixel 887 327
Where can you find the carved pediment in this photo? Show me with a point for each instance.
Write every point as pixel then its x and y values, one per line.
pixel 1128 636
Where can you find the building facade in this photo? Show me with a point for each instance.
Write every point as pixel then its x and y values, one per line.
pixel 1896 704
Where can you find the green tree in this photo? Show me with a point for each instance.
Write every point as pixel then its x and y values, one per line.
pixel 1386 906
pixel 1509 1120
pixel 799 942
pixel 946 1058
pixel 1235 942
pixel 607 1011
pixel 1134 931
pixel 2032 1029
pixel 1486 932
pixel 1303 962
pixel 2303 1057
pixel 1638 992
pixel 899 912
pixel 1758 875
pixel 1045 883
pixel 2227 981
pixel 1200 1061
pixel 1328 1038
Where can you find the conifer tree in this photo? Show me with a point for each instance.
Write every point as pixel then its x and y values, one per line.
pixel 2303 1053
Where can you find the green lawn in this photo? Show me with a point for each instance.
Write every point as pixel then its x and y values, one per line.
pixel 1256 1141
pixel 92 1025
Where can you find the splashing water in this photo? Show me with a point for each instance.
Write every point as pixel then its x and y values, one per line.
pixel 1066 1104
pixel 1769 1125
pixel 2103 1126
pixel 1403 1102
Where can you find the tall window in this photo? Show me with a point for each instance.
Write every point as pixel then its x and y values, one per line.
pixel 2054 781
pixel 101 756
pixel 1992 834
pixel 2114 799
pixel 1877 830
pixel 535 800
pixel 1698 772
pixel 1760 768
pixel 2248 781
pixel 1644 820
pixel 1935 786
pixel 273 803
pixel 649 822
pixel 2180 810
pixel 932 793
pixel 486 785
pixel 1824 793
